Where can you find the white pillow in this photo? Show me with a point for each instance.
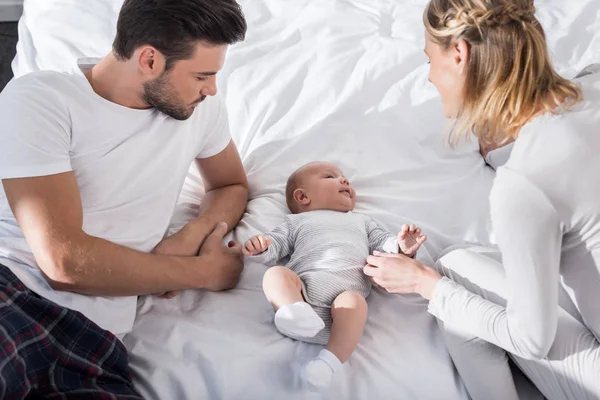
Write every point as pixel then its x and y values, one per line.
pixel 53 34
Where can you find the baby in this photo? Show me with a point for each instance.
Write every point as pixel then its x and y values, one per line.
pixel 319 297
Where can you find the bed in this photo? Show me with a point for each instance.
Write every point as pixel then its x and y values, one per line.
pixel 339 80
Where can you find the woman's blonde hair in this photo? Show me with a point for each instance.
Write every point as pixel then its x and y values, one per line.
pixel 509 75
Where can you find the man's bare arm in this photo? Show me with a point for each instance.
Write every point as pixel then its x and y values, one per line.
pixel 74 261
pixel 225 201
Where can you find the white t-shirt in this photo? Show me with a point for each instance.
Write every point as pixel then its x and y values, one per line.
pixel 545 209
pixel 129 164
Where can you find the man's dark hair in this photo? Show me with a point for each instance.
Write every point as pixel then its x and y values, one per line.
pixel 174 27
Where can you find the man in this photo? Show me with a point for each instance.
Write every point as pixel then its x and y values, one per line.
pixel 91 167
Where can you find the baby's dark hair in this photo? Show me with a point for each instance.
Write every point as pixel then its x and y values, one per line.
pixel 293 183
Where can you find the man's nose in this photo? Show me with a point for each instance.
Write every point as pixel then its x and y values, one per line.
pixel 210 89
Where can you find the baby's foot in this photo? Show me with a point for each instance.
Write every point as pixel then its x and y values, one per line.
pixel 298 320
pixel 318 373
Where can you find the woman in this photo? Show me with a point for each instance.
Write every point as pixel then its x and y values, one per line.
pixel 489 61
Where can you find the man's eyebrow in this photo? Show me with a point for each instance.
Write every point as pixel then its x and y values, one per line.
pixel 205 73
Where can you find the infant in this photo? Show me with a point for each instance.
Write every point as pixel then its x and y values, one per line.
pixel 319 296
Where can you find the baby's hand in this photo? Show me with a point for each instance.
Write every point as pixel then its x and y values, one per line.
pixel 410 239
pixel 256 245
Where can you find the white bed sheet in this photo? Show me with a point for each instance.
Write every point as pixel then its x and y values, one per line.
pixel 344 81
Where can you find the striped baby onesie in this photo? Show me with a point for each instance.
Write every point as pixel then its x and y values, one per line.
pixel 328 250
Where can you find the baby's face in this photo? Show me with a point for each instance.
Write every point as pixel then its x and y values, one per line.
pixel 327 188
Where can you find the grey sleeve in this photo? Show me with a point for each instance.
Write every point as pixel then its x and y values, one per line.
pixel 498 157
pixel 282 246
pixel 380 239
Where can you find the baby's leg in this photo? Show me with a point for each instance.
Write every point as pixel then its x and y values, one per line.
pixel 282 287
pixel 294 317
pixel 349 313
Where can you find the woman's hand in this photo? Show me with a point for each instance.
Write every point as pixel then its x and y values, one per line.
pixel 399 274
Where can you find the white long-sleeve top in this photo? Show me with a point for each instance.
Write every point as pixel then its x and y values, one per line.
pixel 545 210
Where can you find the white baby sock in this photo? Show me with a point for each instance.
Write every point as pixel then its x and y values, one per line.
pixel 319 372
pixel 298 319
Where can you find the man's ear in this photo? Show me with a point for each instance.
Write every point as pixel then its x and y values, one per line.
pixel 301 197
pixel 151 62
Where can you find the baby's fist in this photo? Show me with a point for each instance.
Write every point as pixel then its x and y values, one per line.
pixel 410 239
pixel 256 245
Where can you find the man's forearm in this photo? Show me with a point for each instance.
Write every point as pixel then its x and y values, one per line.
pixel 226 204
pixel 99 267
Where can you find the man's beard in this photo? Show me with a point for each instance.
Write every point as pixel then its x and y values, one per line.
pixel 159 94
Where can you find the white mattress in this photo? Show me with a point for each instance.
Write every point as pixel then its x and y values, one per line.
pixel 344 81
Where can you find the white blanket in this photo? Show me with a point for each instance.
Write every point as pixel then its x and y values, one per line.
pixel 343 81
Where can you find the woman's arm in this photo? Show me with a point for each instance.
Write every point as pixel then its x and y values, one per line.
pixel 529 233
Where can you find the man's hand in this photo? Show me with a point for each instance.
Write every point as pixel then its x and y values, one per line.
pixel 186 242
pixel 182 242
pixel 225 262
pixel 410 239
pixel 257 245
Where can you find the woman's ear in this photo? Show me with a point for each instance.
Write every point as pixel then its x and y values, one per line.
pixel 461 51
pixel 301 197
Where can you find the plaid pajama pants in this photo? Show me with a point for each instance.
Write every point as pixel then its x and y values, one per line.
pixel 51 352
